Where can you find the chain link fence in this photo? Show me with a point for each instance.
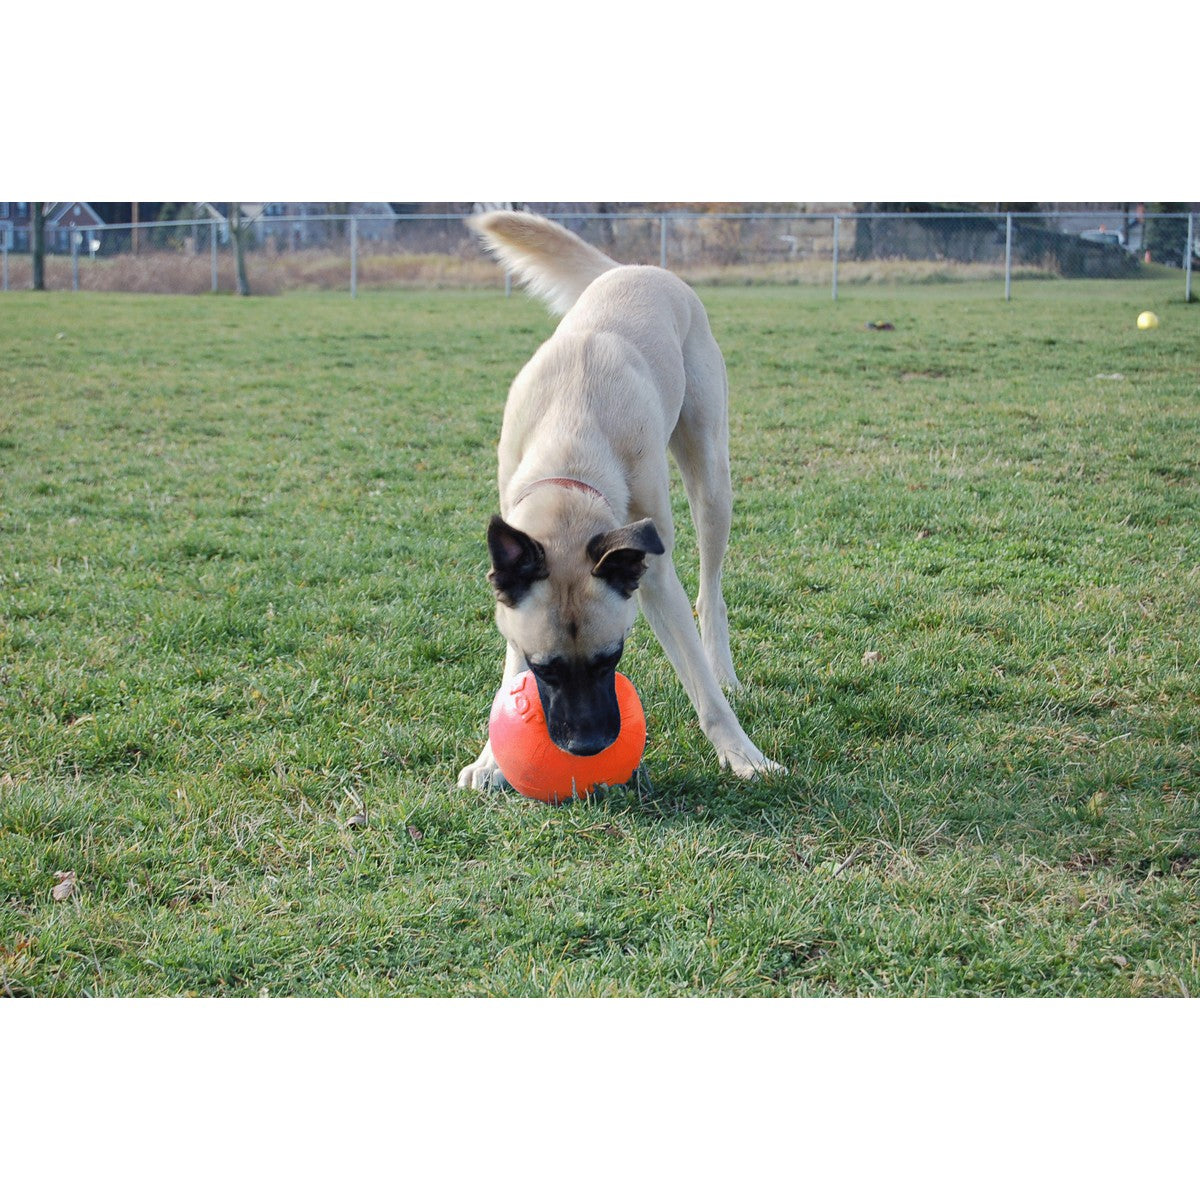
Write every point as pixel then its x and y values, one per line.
pixel 290 247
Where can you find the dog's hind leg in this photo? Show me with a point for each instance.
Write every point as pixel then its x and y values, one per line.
pixel 700 446
pixel 706 478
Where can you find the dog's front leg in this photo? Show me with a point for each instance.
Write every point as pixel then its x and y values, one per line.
pixel 669 613
pixel 484 773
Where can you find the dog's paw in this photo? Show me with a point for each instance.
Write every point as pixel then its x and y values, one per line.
pixel 751 765
pixel 483 775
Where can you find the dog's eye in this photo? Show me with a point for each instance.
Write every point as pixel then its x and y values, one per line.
pixel 552 672
pixel 605 663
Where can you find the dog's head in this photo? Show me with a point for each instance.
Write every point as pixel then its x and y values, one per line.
pixel 568 604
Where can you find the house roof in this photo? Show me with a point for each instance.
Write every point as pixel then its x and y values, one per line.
pixel 221 211
pixel 62 213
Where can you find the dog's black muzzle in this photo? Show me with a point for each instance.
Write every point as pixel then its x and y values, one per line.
pixel 582 714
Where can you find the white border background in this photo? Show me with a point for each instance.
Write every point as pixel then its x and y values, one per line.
pixel 1023 100
pixel 625 101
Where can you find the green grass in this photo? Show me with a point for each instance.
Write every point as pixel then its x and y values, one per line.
pixel 242 598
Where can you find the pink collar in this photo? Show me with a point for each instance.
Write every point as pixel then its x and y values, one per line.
pixel 576 485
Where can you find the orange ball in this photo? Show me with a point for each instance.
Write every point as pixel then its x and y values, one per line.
pixel 538 768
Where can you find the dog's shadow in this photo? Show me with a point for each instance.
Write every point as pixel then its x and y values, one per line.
pixel 663 795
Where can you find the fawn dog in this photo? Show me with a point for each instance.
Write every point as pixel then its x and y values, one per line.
pixel 585 532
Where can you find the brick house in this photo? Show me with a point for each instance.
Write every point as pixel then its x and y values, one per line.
pixel 63 221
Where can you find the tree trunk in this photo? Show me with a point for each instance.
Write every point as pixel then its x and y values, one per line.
pixel 37 217
pixel 239 229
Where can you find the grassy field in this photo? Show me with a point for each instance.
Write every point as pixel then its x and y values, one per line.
pixel 246 643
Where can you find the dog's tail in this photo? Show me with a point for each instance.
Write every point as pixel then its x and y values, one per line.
pixel 548 259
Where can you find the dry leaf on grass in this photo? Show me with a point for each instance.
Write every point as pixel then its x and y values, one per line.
pixel 871 658
pixel 359 820
pixel 64 886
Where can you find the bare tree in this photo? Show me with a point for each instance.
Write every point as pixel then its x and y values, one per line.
pixel 239 230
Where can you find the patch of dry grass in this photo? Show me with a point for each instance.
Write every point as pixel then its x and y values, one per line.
pixel 272 274
pixel 817 271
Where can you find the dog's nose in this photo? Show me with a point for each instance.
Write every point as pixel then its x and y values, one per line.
pixel 585 746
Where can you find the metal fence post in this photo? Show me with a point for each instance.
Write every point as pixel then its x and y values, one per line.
pixel 837 237
pixel 1187 258
pixel 75 236
pixel 1008 256
pixel 662 241
pixel 353 258
pixel 212 237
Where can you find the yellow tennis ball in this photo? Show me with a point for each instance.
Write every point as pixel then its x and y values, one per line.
pixel 1147 320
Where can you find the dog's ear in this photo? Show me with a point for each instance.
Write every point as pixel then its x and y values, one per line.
pixel 620 554
pixel 517 562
